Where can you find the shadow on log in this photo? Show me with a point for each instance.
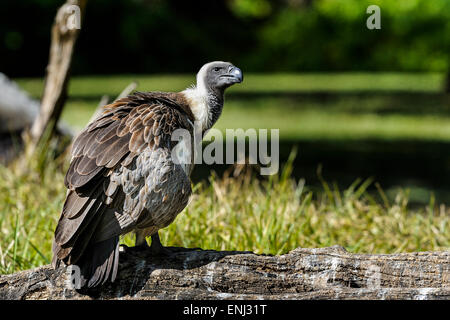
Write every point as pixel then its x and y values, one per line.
pixel 325 273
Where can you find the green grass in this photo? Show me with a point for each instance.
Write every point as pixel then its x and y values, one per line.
pixel 323 106
pixel 269 216
pixel 29 204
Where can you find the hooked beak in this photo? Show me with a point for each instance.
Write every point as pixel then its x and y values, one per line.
pixel 237 74
pixel 234 75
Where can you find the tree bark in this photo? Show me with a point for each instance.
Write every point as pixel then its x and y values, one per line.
pixel 64 33
pixel 325 273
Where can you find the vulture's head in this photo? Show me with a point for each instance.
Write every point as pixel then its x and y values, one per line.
pixel 218 75
pixel 206 98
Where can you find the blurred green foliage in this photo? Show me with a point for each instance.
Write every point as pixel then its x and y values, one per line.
pixel 332 35
pixel 147 36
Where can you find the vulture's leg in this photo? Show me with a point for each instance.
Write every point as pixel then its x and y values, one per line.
pixel 140 239
pixel 156 248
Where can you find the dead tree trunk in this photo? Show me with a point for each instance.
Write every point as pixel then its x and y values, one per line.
pixel 64 33
pixel 326 273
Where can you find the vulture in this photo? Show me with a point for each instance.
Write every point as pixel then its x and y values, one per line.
pixel 122 177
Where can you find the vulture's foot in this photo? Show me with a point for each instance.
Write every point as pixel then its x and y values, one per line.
pixel 157 249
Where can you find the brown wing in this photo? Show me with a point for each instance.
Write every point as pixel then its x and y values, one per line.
pixel 114 139
pixel 125 128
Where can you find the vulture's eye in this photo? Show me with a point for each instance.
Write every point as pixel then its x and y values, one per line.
pixel 217 69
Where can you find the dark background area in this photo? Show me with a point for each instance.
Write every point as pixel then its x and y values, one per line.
pixel 156 36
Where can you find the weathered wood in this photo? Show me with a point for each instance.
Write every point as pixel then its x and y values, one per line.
pixel 64 33
pixel 326 273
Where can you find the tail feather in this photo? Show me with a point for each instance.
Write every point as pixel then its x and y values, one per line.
pixel 72 223
pixel 100 263
pixel 77 241
pixel 84 239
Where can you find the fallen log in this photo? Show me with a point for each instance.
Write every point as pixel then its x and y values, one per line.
pixel 325 273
